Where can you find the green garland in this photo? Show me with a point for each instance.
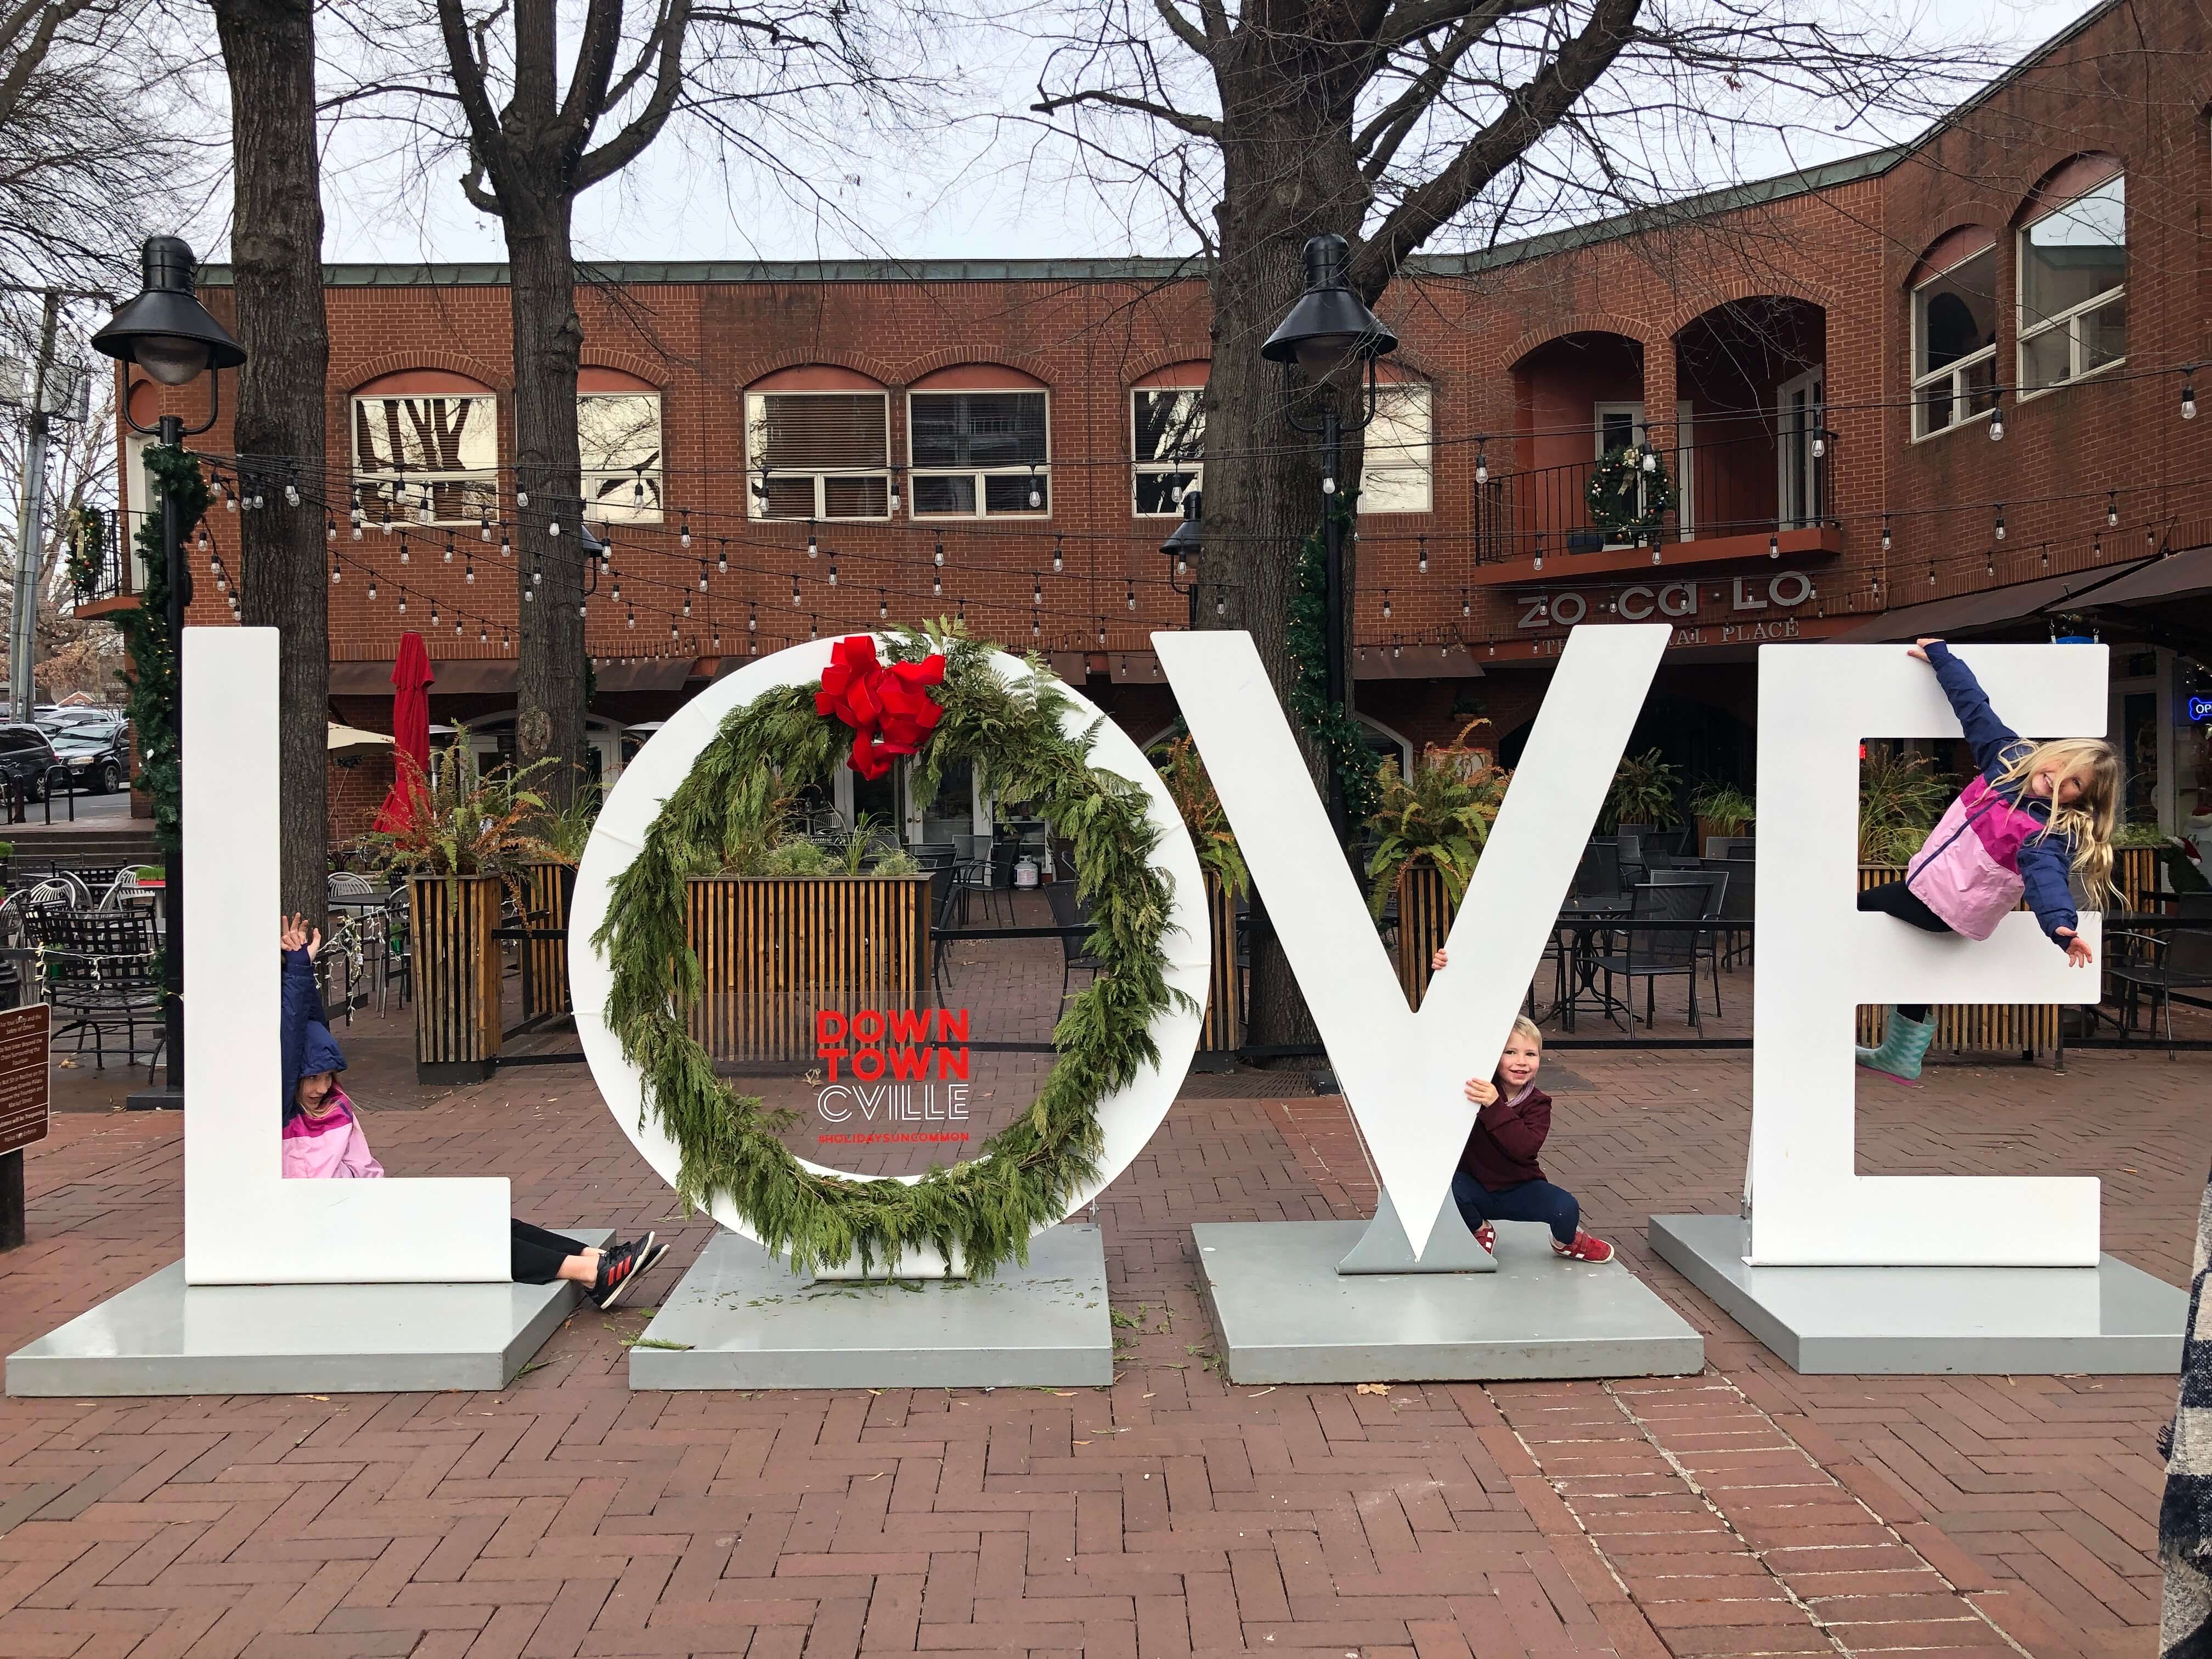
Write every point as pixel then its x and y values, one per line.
pixel 1342 738
pixel 152 681
pixel 1025 1175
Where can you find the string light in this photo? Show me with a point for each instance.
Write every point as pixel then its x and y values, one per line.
pixel 1884 532
pixel 469 571
pixel 1423 565
pixel 883 605
pixel 2189 400
pixel 1036 497
pixel 813 547
pixel 2112 509
pixel 752 620
pixel 1996 419
pixel 722 556
pixel 1465 608
pixel 1056 555
pixel 1132 595
pixel 1036 589
pixel 2000 527
pixel 702 575
pixel 1220 600
pixel 449 547
pixel 483 524
pixel 506 547
pixel 2046 556
pixel 940 559
pixel 372 587
pixel 833 572
pixel 1386 604
pixel 795 587
pixel 1481 461
pixel 1773 545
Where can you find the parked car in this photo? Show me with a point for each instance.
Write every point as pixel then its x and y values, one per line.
pixel 26 754
pixel 98 757
pixel 54 722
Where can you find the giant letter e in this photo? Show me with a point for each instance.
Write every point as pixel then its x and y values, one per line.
pixel 1402 1072
pixel 1817 958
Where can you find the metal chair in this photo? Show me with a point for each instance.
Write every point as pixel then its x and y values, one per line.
pixel 119 892
pixel 396 951
pixel 944 897
pixel 1707 942
pixel 1651 954
pixel 1070 912
pixel 1598 876
pixel 98 974
pixel 1738 905
pixel 2181 960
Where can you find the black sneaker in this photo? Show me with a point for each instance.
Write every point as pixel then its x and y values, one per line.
pixel 618 1268
pixel 650 1249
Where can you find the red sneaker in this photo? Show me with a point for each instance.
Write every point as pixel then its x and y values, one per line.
pixel 1586 1248
pixel 1487 1235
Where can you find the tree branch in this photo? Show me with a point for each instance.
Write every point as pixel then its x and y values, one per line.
pixel 1199 126
pixel 1200 40
pixel 488 146
pixel 619 151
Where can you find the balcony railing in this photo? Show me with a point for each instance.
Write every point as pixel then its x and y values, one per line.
pixel 1754 485
pixel 103 570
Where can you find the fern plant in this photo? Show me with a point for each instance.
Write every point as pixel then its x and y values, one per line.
pixel 1730 811
pixel 1900 798
pixel 1440 817
pixel 467 822
pixel 1192 791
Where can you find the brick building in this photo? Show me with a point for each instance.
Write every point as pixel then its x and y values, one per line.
pixel 1817 364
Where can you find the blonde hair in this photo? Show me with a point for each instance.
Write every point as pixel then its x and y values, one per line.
pixel 2088 822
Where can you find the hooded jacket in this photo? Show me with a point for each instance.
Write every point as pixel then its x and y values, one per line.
pixel 330 1146
pixel 305 1044
pixel 1995 842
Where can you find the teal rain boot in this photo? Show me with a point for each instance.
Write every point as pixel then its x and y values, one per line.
pixel 1903 1042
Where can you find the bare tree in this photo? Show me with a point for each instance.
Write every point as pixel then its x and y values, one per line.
pixel 75 653
pixel 1263 123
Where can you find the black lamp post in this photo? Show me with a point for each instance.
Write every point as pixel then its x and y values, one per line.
pixel 1328 327
pixel 168 333
pixel 1181 549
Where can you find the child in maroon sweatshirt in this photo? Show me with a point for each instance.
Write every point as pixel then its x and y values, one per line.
pixel 1498 1178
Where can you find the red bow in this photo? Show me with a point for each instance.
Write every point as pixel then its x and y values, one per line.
pixel 889 710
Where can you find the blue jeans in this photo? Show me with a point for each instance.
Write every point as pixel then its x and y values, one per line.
pixel 1526 1200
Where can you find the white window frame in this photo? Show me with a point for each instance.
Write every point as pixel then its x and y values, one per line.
pixel 1193 473
pixel 2024 333
pixel 1426 464
pixel 1041 472
pixel 1955 372
pixel 757 505
pixel 373 484
pixel 623 512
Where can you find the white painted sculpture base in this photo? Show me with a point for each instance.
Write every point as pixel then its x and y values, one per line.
pixel 743 1319
pixel 1283 1313
pixel 164 1337
pixel 1884 1322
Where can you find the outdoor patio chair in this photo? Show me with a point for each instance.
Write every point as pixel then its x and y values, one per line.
pixel 1651 954
pixel 393 927
pixel 1728 847
pixel 1598 876
pixel 2159 965
pixel 100 977
pixel 1738 906
pixel 1068 911
pixel 120 892
pixel 944 897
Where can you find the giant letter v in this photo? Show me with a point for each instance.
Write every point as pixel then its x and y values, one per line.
pixel 1402 1072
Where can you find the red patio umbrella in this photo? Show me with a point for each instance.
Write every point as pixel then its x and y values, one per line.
pixel 410 733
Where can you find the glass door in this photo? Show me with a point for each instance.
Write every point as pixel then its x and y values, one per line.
pixel 1801 409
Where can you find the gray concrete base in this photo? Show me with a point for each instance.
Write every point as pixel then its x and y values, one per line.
pixel 164 1337
pixel 2022 1321
pixel 742 1319
pixel 1285 1315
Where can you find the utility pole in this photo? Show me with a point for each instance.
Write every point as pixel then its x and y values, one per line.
pixel 30 539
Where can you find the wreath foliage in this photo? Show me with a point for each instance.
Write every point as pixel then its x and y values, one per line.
pixel 1342 739
pixel 1025 1176
pixel 1625 496
pixel 153 678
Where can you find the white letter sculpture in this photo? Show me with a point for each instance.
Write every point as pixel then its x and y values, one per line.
pixel 244 1223
pixel 1402 1072
pixel 1819 957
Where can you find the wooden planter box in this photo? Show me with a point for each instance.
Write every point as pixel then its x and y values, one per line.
pixel 2135 873
pixel 548 889
pixel 457 976
pixel 2026 1028
pixel 775 949
pixel 1223 1033
pixel 1425 918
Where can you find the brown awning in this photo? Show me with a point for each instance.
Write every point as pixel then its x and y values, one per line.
pixel 1993 607
pixel 2182 576
pixel 455 677
pixel 640 673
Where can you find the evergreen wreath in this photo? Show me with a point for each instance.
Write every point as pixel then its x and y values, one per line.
pixel 1342 738
pixel 1624 497
pixel 1022 1177
pixel 152 682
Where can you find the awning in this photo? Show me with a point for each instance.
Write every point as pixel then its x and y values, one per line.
pixel 2182 576
pixel 1990 608
pixel 352 740
pixel 640 673
pixel 456 677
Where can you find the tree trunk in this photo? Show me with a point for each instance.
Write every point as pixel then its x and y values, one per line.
pixel 549 340
pixel 276 242
pixel 1263 493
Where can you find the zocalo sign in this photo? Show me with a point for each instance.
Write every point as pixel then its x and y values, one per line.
pixel 1672 601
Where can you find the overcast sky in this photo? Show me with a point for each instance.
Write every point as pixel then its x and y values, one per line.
pixel 977 189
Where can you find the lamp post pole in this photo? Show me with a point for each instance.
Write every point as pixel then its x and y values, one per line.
pixel 169 433
pixel 1332 541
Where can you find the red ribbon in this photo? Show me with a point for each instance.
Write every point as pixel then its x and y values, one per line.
pixel 889 707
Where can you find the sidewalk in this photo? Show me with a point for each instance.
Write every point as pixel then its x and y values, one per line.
pixel 1746 1512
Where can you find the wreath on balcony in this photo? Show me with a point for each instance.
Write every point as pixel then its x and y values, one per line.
pixel 939 700
pixel 1629 492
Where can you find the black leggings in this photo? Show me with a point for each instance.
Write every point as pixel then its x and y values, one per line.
pixel 1894 899
pixel 534 1255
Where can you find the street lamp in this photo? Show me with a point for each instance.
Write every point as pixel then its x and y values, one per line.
pixel 1181 549
pixel 165 331
pixel 1328 327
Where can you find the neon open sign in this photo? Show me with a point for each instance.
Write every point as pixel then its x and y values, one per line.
pixel 2200 708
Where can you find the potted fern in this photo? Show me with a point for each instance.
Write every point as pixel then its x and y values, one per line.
pixel 1900 797
pixel 1221 863
pixel 1430 830
pixel 1645 788
pixel 1722 808
pixel 472 837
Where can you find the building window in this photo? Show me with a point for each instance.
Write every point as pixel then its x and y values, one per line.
pixel 1167 427
pixel 431 459
pixel 1394 476
pixel 618 435
pixel 818 454
pixel 2073 287
pixel 1954 344
pixel 979 454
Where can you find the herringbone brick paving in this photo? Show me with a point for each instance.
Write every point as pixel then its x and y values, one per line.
pixel 1744 1511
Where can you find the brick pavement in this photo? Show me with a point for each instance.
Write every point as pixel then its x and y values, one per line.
pixel 1744 1511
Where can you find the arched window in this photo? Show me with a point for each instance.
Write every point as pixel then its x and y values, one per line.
pixel 818 442
pixel 1167 437
pixel 425 449
pixel 979 438
pixel 619 437
pixel 2073 274
pixel 1954 331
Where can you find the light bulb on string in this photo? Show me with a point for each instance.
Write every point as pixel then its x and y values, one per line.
pixel 813 546
pixel 402 551
pixel 687 604
pixel 1884 532
pixel 936 585
pixel 469 571
pixel 1102 632
pixel 506 547
pixel 403 601
pixel 1036 589
pixel 1481 462
pixel 1931 573
pixel 684 536
pixel 1056 555
pixel 2001 524
pixel 2189 400
pixel 1037 496
pixel 883 605
pixel 449 547
pixel 962 617
pixel 1386 604
pixel 522 498
pixel 813 625
pixel 1036 629
pixel 795 587
pixel 1655 552
pixel 1466 608
pixel 637 492
pixel 1773 546
pixel 2112 509
pixel 1133 596
pixel 752 620
pixel 2046 556
pixel 1997 421
pixel 631 620
pixel 329 528
pixel 702 575
pixel 939 557
pixel 722 554
pixel 833 573
pixel 1422 565
pixel 483 524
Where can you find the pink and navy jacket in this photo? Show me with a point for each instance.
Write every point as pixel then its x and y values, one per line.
pixel 331 1147
pixel 1991 846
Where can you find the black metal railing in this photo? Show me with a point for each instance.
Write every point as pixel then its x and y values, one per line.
pixel 99 563
pixel 1754 485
